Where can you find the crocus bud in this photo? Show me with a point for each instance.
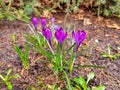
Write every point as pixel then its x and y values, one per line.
pixel 53 20
pixel 35 22
pixel 43 22
pixel 47 33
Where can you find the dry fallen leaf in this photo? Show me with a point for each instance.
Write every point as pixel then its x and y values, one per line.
pixel 100 18
pixel 47 14
pixel 114 25
pixel 80 17
pixel 86 22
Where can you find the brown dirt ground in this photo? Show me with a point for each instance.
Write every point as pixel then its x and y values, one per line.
pixel 101 32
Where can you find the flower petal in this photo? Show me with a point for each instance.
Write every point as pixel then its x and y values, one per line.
pixel 73 34
pixel 53 20
pixel 78 37
pixel 43 22
pixel 47 33
pixel 60 35
pixel 35 22
pixel 56 27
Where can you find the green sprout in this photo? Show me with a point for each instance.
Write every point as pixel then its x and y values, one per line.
pixel 109 55
pixel 23 55
pixel 7 78
pixel 82 84
pixel 13 38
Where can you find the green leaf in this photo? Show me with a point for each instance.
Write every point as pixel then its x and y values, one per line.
pixel 9 85
pixel 2 15
pixel 14 76
pixel 106 12
pixel 83 51
pixel 26 56
pixel 81 81
pixel 90 76
pixel 2 77
pixel 68 81
pixel 8 73
pixel 75 8
pixel 70 48
pixel 18 51
pixel 99 88
pixel 88 88
pixel 7 78
pixel 89 66
pixel 23 55
pixel 118 16
pixel 104 54
pixel 11 16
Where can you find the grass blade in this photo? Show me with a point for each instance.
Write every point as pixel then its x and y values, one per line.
pixel 68 81
pixel 90 66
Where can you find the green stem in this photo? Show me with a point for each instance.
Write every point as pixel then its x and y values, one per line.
pixel 72 59
pixel 71 66
pixel 68 80
pixel 50 47
pixel 61 58
pixel 33 31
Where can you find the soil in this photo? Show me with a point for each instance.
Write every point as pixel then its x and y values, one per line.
pixel 101 32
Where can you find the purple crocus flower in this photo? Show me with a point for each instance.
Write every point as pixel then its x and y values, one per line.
pixel 60 35
pixel 78 37
pixel 43 22
pixel 53 20
pixel 35 22
pixel 47 33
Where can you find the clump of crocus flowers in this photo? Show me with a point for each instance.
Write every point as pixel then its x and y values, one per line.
pixel 59 33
